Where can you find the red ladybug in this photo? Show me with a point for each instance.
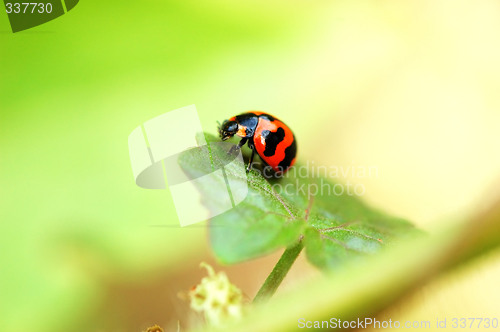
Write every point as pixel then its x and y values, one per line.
pixel 271 138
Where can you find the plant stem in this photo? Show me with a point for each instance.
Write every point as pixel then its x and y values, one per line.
pixel 279 272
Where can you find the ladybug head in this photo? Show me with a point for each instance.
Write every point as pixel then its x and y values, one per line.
pixel 228 129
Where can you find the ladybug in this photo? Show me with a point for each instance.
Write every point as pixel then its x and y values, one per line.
pixel 273 141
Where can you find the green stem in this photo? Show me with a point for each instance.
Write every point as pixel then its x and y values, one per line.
pixel 279 272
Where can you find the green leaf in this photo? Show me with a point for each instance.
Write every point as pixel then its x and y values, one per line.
pixel 279 212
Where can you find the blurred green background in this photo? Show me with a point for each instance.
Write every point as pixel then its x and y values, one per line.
pixel 411 88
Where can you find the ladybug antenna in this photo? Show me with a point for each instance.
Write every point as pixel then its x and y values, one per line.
pixel 219 128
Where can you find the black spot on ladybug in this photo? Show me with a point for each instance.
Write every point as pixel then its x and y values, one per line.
pixel 290 153
pixel 267 117
pixel 273 138
pixel 249 121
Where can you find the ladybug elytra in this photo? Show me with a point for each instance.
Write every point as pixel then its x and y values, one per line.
pixel 273 141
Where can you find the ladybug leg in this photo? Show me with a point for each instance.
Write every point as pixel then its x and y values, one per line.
pixel 237 147
pixel 249 167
